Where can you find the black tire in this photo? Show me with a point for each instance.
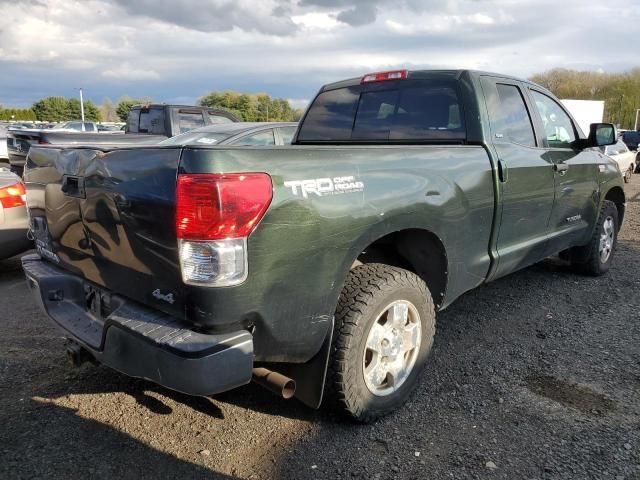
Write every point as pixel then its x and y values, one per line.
pixel 368 290
pixel 591 263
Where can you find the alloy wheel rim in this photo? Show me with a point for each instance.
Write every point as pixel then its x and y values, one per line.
pixel 606 239
pixel 392 348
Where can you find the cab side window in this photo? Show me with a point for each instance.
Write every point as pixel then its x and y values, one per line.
pixel 558 128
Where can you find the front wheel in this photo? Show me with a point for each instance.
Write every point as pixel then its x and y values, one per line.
pixel 598 254
pixel 385 325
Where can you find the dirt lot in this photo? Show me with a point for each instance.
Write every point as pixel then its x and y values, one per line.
pixel 536 376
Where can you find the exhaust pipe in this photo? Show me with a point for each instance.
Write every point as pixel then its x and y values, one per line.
pixel 275 382
pixel 78 355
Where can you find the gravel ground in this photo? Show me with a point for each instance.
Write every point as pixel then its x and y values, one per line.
pixel 535 376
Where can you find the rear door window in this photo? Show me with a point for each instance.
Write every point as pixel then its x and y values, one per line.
pixel 152 121
pixel 622 147
pixel 189 119
pixel 414 111
pixel 132 120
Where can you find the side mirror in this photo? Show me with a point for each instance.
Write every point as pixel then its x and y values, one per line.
pixel 602 134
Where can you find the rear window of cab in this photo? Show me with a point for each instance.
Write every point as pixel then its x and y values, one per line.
pixel 400 111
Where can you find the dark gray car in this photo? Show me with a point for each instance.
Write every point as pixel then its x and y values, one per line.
pixel 241 133
pixel 14 222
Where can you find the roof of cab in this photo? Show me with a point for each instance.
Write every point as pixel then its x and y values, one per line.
pixel 453 74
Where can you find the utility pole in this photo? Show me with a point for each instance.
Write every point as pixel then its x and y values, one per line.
pixel 635 126
pixel 620 110
pixel 82 109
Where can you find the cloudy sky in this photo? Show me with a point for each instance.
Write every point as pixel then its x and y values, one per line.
pixel 177 50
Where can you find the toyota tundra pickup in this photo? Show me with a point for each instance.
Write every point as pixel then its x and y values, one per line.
pixel 317 268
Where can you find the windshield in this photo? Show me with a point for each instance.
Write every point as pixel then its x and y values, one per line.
pixel 196 138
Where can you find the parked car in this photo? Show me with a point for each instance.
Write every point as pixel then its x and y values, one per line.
pixel 625 158
pixel 77 126
pixel 14 223
pixel 319 266
pixel 631 139
pixel 242 133
pixel 4 155
pixel 146 124
pixel 110 128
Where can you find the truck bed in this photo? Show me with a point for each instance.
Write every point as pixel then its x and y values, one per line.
pixel 118 233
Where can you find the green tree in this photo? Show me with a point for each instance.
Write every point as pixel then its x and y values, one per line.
pixel 17 114
pixel 91 112
pixel 125 103
pixel 108 111
pixel 51 109
pixel 251 107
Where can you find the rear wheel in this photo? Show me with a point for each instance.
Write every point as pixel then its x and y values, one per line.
pixel 598 254
pixel 385 324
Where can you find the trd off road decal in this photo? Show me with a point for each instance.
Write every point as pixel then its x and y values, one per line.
pixel 325 186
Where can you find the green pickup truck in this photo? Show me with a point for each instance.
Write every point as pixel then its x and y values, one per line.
pixel 317 269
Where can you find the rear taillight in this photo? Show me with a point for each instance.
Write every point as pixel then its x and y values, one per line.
pixel 384 76
pixel 43 142
pixel 215 213
pixel 13 196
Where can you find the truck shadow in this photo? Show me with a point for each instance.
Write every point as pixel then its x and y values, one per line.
pixel 70 446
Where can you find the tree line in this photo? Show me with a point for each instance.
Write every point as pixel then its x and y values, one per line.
pixel 17 114
pixel 620 91
pixel 257 107
pixel 246 106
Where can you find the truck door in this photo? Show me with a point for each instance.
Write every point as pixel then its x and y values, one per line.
pixel 526 177
pixel 576 202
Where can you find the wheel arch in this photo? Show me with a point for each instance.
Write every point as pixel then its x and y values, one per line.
pixel 418 250
pixel 616 195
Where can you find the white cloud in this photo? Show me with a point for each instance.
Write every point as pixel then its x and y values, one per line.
pixel 126 71
pixel 298 102
pixel 319 20
pixel 183 48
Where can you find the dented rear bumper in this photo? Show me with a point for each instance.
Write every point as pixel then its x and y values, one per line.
pixel 139 341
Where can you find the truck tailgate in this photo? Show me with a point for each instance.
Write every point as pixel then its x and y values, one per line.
pixel 108 216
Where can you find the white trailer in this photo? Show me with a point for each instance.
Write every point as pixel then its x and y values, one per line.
pixel 585 112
